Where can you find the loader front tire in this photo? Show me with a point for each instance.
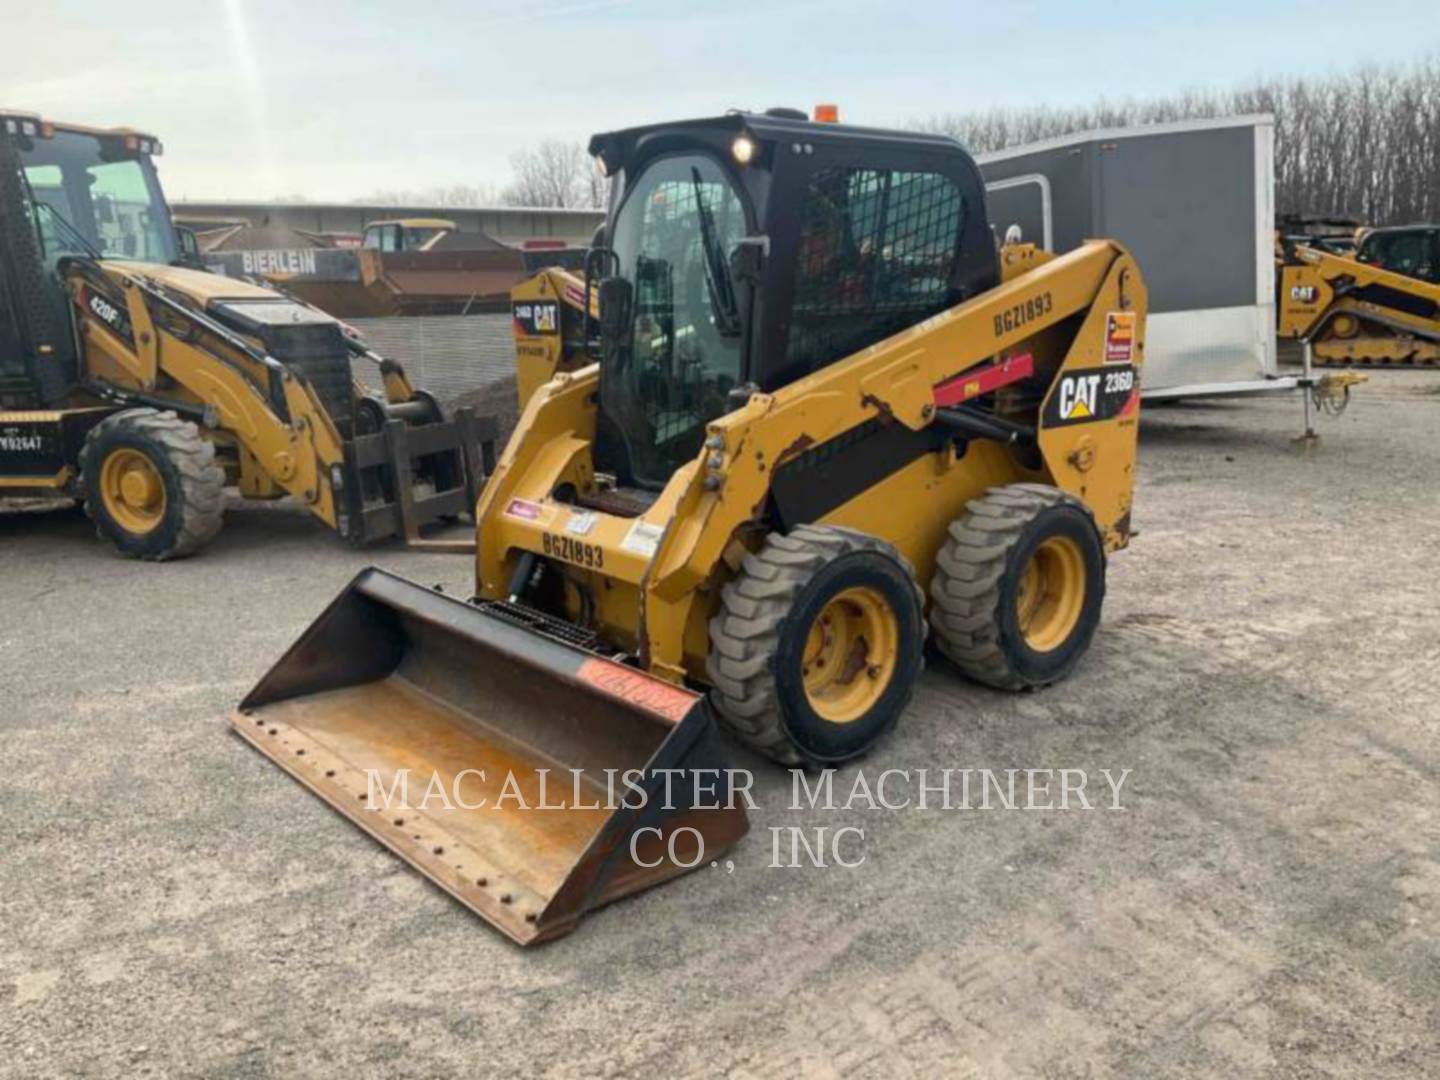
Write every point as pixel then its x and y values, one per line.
pixel 1018 586
pixel 817 644
pixel 151 484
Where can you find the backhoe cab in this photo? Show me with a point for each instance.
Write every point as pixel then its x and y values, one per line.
pixel 143 386
pixel 815 416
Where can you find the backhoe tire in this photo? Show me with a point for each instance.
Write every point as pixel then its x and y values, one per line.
pixel 151 484
pixel 1018 586
pixel 817 644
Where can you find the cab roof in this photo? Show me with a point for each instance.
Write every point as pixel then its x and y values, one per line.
pixel 19 116
pixel 415 223
pixel 1389 230
pixel 772 126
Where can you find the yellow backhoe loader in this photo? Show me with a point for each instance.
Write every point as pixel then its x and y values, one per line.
pixel 820 416
pixel 1380 307
pixel 143 387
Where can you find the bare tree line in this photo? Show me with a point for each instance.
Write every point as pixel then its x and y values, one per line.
pixel 1364 144
pixel 553 173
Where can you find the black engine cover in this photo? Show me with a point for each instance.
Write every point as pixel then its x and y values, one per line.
pixel 304 340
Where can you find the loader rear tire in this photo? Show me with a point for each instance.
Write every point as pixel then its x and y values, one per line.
pixel 817 644
pixel 1018 586
pixel 151 484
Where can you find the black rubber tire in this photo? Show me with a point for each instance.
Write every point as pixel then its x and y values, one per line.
pixel 194 484
pixel 977 573
pixel 757 640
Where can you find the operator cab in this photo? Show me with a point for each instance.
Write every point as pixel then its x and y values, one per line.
pixel 67 190
pixel 1410 250
pixel 406 234
pixel 94 187
pixel 749 250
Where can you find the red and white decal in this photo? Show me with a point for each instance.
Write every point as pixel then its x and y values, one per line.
pixel 526 510
pixel 1120 337
pixel 637 688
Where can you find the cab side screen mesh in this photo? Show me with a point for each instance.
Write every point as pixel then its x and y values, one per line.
pixel 877 254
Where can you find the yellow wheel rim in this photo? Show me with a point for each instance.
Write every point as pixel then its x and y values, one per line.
pixel 851 652
pixel 133 490
pixel 1051 594
pixel 1345 326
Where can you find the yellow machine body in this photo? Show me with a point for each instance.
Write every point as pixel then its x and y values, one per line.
pixel 970 467
pixel 655 578
pixel 1351 312
pixel 548 317
pixel 272 458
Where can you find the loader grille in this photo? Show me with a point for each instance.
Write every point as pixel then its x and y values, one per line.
pixel 528 618
pixel 307 342
pixel 318 352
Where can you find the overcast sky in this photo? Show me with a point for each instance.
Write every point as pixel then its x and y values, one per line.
pixel 334 101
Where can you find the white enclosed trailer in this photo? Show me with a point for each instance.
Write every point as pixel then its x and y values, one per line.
pixel 1194 202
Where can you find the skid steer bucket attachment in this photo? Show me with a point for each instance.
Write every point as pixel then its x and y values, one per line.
pixel 532 780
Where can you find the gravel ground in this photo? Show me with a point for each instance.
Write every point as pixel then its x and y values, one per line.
pixel 1264 904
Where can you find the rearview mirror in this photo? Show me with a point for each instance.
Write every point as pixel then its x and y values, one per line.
pixel 747 259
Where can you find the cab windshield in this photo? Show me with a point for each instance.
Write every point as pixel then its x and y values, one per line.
pixel 665 379
pixel 1413 254
pixel 93 186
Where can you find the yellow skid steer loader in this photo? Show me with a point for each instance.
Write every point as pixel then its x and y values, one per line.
pixel 822 414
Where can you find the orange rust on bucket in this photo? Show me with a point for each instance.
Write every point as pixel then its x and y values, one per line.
pixel 491 759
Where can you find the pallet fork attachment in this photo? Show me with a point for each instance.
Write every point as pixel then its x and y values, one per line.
pixel 450 457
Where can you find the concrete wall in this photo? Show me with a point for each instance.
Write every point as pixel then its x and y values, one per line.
pixel 503 223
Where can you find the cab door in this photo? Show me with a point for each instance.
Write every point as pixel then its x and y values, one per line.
pixel 12 349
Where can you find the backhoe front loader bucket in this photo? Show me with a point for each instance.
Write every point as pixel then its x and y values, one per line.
pixel 530 779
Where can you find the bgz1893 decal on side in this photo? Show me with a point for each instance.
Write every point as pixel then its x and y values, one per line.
pixel 574 551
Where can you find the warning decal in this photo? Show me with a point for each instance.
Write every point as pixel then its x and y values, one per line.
pixel 638 688
pixel 1120 337
pixel 526 510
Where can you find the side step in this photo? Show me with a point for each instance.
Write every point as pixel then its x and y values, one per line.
pixel 557 780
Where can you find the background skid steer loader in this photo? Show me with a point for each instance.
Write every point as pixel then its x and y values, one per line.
pixel 1379 307
pixel 144 387
pixel 826 414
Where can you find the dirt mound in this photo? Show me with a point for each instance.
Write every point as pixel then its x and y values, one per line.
pixel 499 399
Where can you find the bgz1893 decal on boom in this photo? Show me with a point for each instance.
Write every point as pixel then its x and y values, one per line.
pixel 1013 318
